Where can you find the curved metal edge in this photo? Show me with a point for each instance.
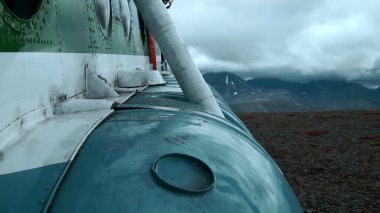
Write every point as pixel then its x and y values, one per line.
pixel 157 177
pixel 60 180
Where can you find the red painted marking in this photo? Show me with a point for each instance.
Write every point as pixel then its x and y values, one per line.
pixel 152 51
pixel 317 132
pixel 368 138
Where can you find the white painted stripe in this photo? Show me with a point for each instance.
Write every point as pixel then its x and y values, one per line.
pixel 45 139
pixel 51 141
pixel 31 81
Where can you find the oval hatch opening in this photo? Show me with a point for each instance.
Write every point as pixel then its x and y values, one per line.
pixel 23 9
pixel 183 173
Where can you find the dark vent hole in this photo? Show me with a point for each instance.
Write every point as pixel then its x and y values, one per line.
pixel 23 9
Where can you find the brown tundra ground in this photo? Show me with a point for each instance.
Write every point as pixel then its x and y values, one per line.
pixel 331 159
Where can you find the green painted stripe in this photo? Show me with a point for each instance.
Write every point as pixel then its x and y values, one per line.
pixel 69 26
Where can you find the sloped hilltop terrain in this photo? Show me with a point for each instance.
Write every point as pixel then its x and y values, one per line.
pixel 331 159
pixel 272 95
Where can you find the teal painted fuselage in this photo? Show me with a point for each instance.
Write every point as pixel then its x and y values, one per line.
pixel 147 150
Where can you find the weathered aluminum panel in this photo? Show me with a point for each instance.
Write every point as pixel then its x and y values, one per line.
pixel 31 81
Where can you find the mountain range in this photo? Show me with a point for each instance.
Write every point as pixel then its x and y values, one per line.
pixel 273 95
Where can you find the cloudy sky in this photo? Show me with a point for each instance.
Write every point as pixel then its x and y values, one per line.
pixel 290 39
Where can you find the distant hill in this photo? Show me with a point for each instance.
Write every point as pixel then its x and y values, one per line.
pixel 273 95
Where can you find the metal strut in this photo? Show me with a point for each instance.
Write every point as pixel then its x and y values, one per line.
pixel 184 69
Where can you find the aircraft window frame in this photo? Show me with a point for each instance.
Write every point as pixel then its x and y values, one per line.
pixel 116 10
pixel 126 19
pixel 16 13
pixel 103 10
pixel 25 26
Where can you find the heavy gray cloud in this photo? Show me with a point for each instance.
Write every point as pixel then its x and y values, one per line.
pixel 308 38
